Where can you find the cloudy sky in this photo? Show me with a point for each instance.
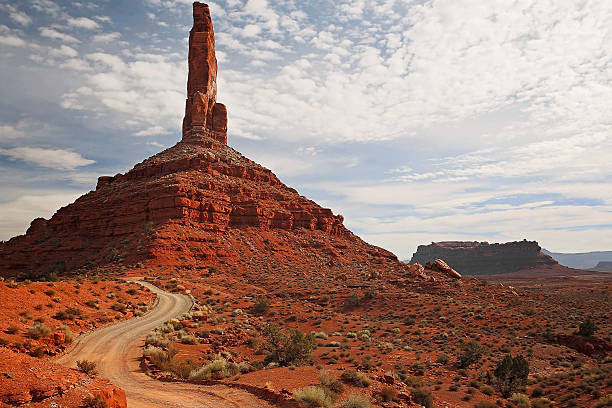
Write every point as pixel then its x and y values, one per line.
pixel 419 121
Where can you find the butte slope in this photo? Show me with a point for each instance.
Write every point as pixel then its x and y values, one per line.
pixel 195 205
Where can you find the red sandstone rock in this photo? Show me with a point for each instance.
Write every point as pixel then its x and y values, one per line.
pixel 441 266
pixel 203 116
pixel 59 337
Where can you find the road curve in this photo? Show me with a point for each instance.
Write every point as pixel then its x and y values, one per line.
pixel 117 349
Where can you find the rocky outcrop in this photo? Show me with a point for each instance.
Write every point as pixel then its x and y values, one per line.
pixel 32 381
pixel 203 115
pixel 482 258
pixel 441 266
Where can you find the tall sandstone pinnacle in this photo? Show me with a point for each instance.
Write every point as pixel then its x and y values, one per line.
pixel 197 204
pixel 203 115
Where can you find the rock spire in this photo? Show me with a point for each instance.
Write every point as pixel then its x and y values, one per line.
pixel 203 115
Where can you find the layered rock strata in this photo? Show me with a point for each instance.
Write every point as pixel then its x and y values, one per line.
pixel 482 258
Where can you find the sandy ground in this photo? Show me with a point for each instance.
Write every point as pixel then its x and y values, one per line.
pixel 117 349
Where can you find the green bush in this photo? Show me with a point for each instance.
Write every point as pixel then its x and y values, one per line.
pixel 39 330
pixel 289 347
pixel 587 328
pixel 313 396
pixel 215 370
pixel 354 300
pixel 70 313
pixel 261 306
pixel 356 401
pixel 423 396
pixel 356 378
pixel 511 374
pixel 470 354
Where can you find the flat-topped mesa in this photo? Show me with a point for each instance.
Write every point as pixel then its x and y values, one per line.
pixel 203 116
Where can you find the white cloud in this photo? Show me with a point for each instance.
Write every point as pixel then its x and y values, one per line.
pixel 106 37
pixel 51 158
pixel 56 35
pixel 82 22
pixel 18 16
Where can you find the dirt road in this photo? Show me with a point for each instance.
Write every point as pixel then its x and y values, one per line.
pixel 117 349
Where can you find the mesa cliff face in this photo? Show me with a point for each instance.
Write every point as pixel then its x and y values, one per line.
pixel 196 204
pixel 482 258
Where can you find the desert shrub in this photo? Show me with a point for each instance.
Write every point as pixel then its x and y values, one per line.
pixel 442 358
pixel 189 339
pixel 156 340
pixel 356 401
pixel 354 300
pixel 587 328
pixel 93 303
pixel 38 352
pixel 388 393
pixel 332 385
pixel 261 306
pixel 88 367
pixel 470 353
pixel 11 330
pixel 485 404
pixel 521 400
pixel 541 403
pixel 215 370
pixel 487 390
pixel 3 341
pixel 70 313
pixel 313 396
pixel 511 374
pixel 119 307
pixel 422 396
pixel 537 392
pixel 356 378
pixel 289 347
pixel 67 332
pixel 94 402
pixel 39 330
pixel 605 401
pixel 165 361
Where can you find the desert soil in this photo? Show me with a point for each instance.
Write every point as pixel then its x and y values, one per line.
pixel 117 349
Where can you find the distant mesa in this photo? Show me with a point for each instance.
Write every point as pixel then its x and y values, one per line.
pixel 581 260
pixel 481 258
pixel 603 266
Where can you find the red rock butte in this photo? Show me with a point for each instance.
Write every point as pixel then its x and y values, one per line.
pixel 196 204
pixel 203 115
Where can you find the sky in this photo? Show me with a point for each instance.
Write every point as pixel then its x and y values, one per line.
pixel 418 121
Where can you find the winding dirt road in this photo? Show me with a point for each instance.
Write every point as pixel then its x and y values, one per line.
pixel 117 348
